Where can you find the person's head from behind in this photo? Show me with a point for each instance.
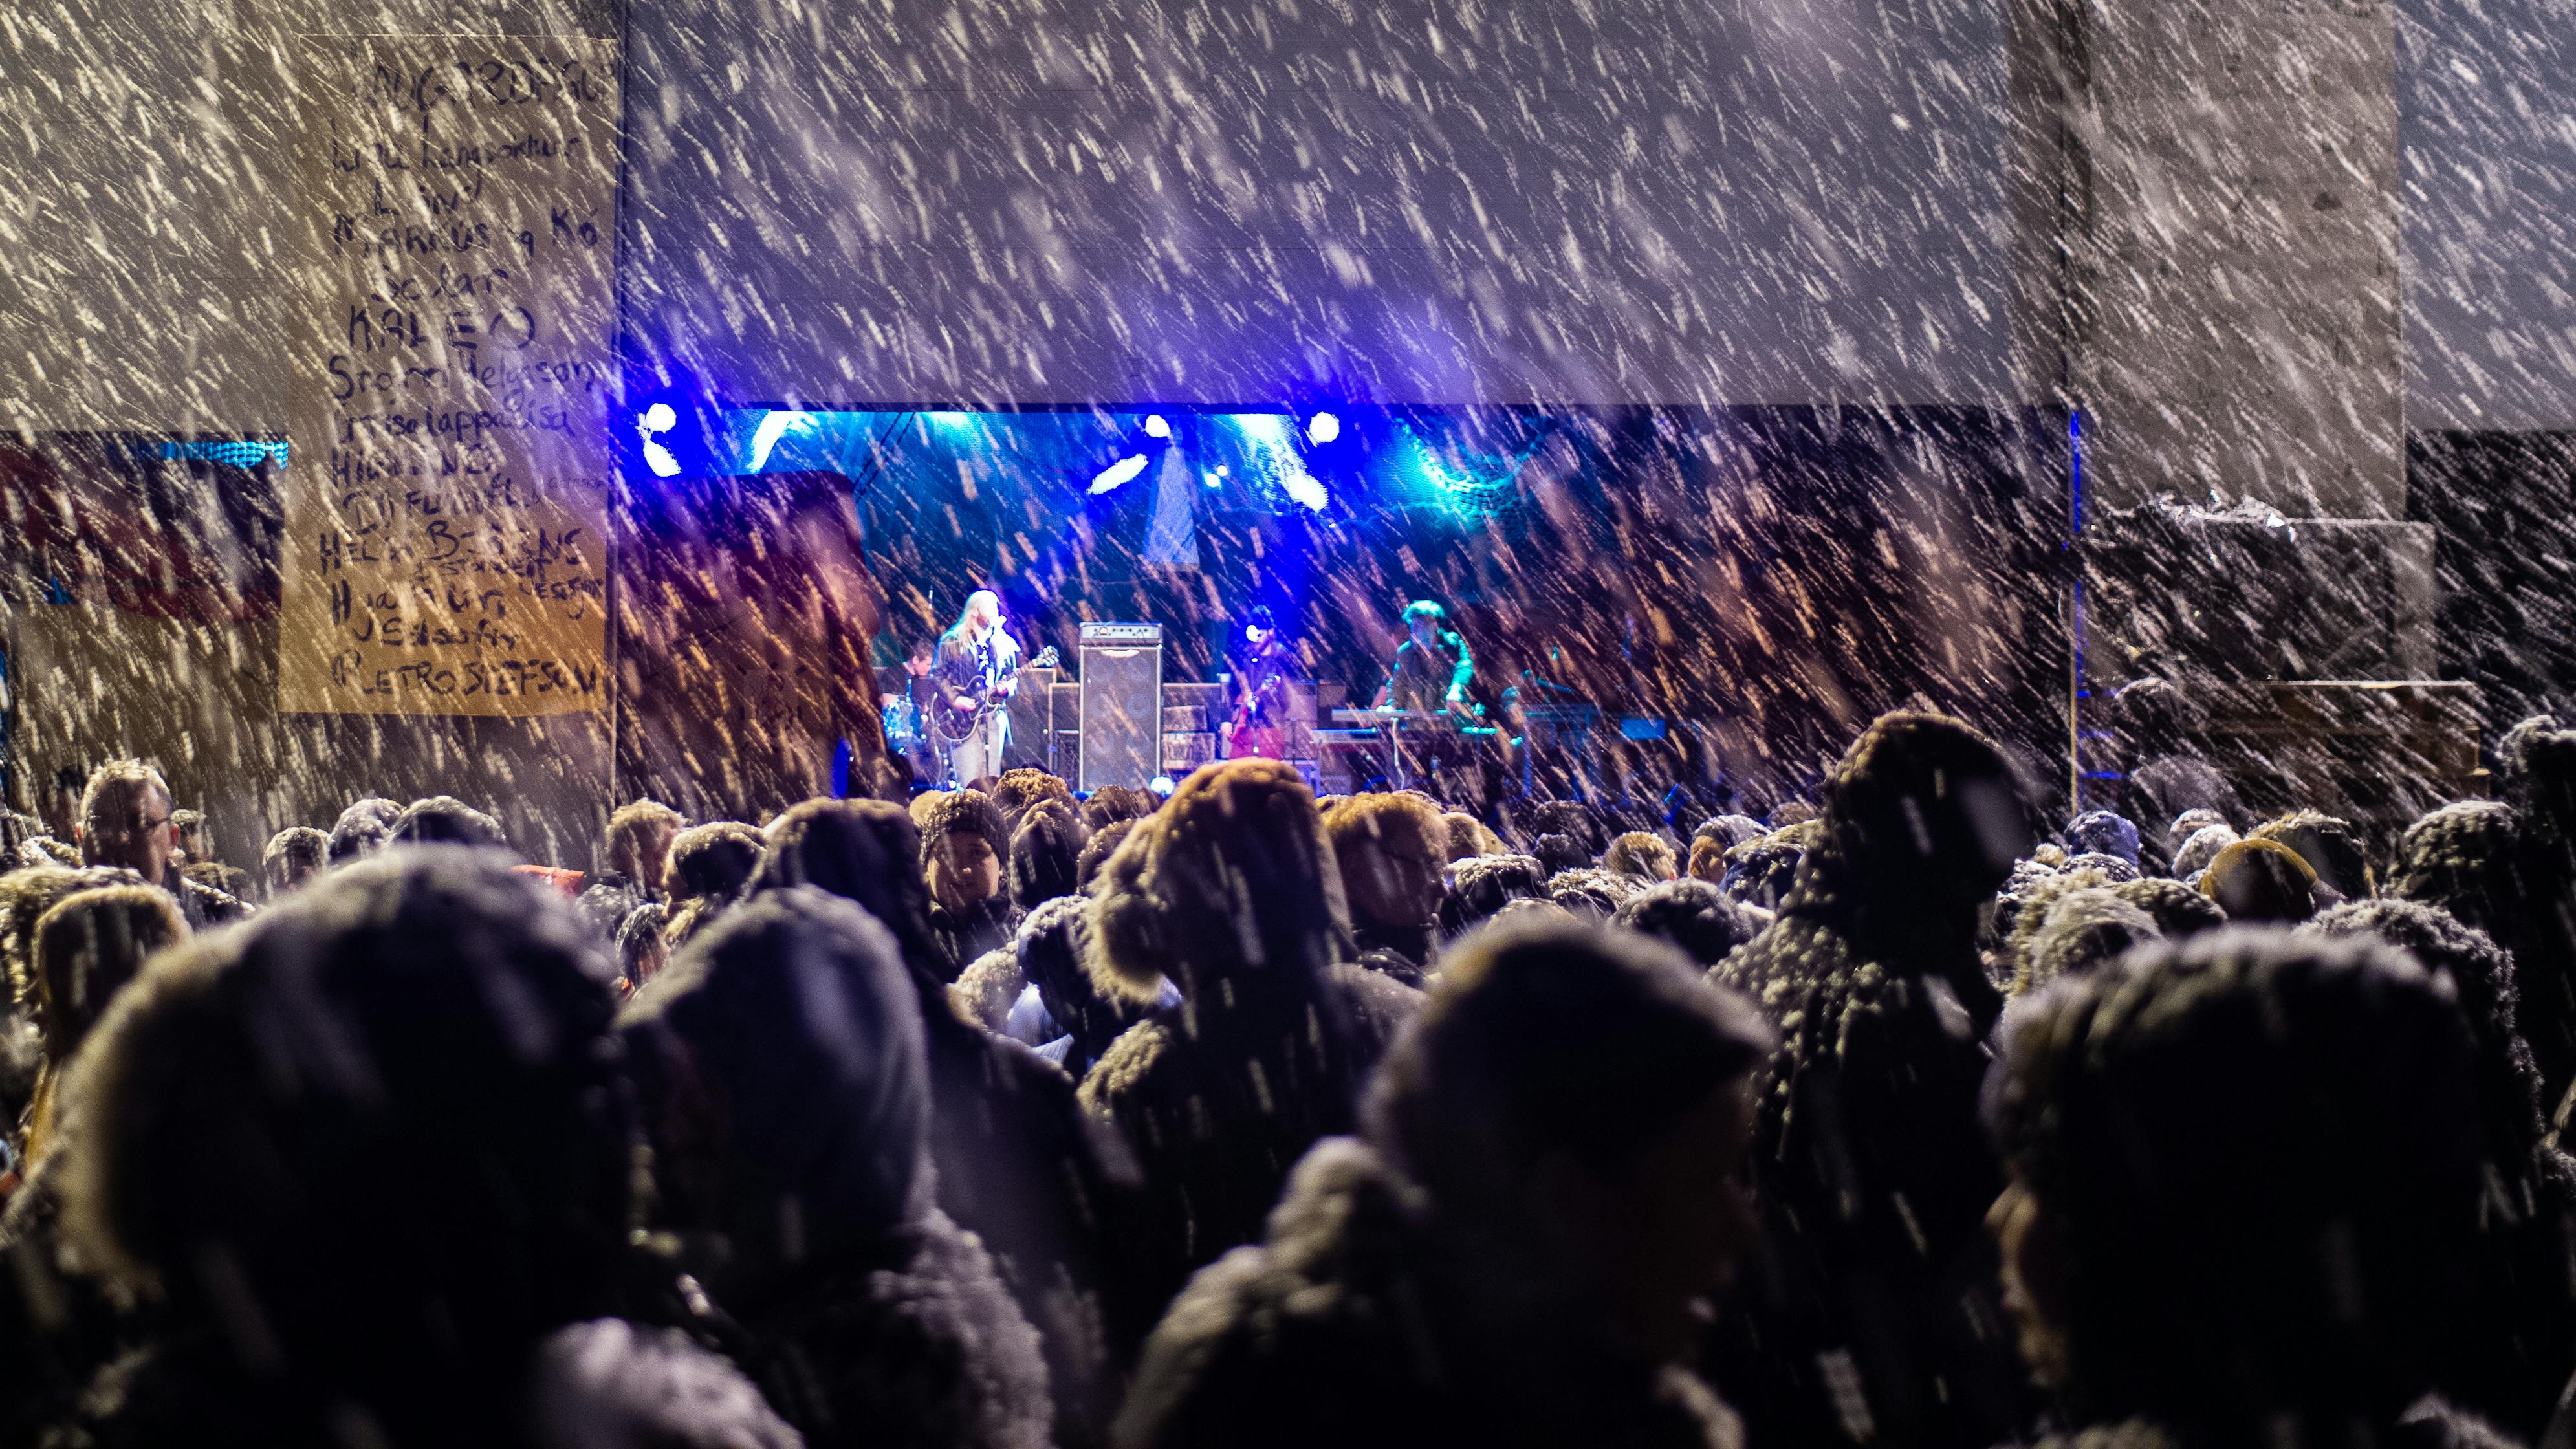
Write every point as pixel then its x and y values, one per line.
pixel 294 855
pixel 126 820
pixel 1924 807
pixel 1231 888
pixel 712 861
pixel 964 843
pixel 1392 848
pixel 1640 854
pixel 2332 847
pixel 403 1081
pixel 87 946
pixel 1693 915
pixel 779 1062
pixel 2243 1179
pixel 1111 804
pixel 1578 1098
pixel 445 820
pixel 1423 621
pixel 363 829
pixel 1017 790
pixel 1046 854
pixel 868 851
pixel 2261 880
pixel 642 948
pixel 1481 885
pixel 639 843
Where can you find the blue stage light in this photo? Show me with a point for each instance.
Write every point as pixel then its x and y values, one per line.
pixel 1119 474
pixel 657 419
pixel 1322 428
pixel 959 421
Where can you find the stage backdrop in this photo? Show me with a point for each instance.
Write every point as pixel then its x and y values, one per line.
pixel 446 511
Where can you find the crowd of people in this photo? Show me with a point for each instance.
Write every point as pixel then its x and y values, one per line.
pixel 1003 1117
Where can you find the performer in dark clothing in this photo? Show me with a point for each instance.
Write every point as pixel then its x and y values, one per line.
pixel 1258 685
pixel 1432 669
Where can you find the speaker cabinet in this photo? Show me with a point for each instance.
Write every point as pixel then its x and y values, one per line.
pixel 1032 739
pixel 1122 704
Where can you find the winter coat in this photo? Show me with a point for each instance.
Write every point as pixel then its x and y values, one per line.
pixel 2429 1424
pixel 1218 1105
pixel 984 926
pixel 913 1343
pixel 604 1384
pixel 1875 1272
pixel 1359 1323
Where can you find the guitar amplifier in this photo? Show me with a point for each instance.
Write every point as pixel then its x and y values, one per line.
pixel 1122 705
pixel 1031 743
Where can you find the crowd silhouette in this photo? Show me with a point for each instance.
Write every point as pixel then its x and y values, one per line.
pixel 1900 1116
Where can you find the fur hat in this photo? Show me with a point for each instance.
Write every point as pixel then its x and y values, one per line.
pixel 363 828
pixel 1232 878
pixel 1641 855
pixel 446 820
pixel 1693 915
pixel 2177 909
pixel 1481 885
pixel 1392 847
pixel 2203 846
pixel 2083 929
pixel 415 1051
pixel 866 851
pixel 1019 789
pixel 714 859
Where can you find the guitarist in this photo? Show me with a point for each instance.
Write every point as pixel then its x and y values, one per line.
pixel 1259 684
pixel 978 669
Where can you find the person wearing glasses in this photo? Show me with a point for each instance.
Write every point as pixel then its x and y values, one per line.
pixel 127 820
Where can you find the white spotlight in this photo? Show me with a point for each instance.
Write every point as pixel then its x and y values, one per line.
pixel 1119 474
pixel 1155 427
pixel 1322 428
pixel 659 418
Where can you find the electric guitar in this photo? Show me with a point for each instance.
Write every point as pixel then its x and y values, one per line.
pixel 952 726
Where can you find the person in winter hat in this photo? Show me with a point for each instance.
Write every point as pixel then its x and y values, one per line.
pixel 2331 846
pixel 1020 1164
pixel 2244 1188
pixel 2103 832
pixel 2474 860
pixel 87 947
pixel 1693 915
pixel 2082 930
pixel 636 853
pixel 1392 848
pixel 1640 855
pixel 368 1152
pixel 2506 1363
pixel 1871 1316
pixel 1522 1243
pixel 2261 880
pixel 1232 890
pixel 1479 886
pixel 710 865
pixel 2177 909
pixel 1046 855
pixel 965 843
pixel 366 827
pixel 781 1065
pixel 1049 950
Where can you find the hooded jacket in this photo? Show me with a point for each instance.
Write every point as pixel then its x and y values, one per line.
pixel 1359 1324
pixel 1233 890
pixel 1867 1314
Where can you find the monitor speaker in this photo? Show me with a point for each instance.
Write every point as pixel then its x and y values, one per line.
pixel 1032 739
pixel 1122 704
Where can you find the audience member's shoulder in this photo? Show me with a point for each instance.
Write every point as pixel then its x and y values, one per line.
pixel 1379 1002
pixel 1128 1064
